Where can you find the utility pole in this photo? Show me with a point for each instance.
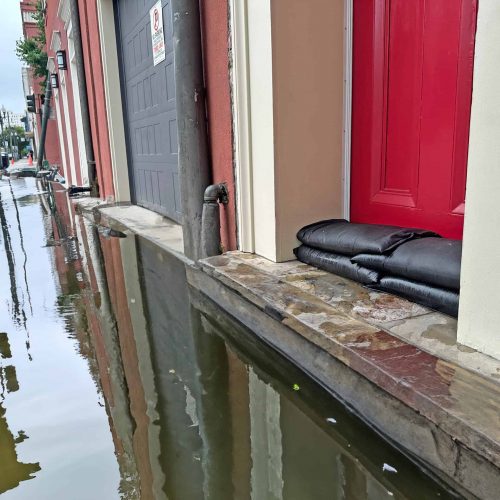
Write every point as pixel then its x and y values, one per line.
pixel 45 120
pixel 2 165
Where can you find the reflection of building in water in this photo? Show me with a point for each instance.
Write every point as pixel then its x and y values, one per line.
pixel 17 310
pixel 95 326
pixel 18 295
pixel 196 416
pixel 12 471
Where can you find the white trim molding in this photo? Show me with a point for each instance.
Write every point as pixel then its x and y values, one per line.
pixel 67 131
pixel 61 136
pixel 114 109
pixel 55 41
pixel 253 116
pixel 346 138
pixel 77 108
pixel 64 12
pixel 479 314
pixel 261 94
pixel 51 65
pixel 241 124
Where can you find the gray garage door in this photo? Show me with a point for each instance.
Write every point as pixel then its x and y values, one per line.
pixel 150 114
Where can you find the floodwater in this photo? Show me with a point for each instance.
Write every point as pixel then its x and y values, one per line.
pixel 118 381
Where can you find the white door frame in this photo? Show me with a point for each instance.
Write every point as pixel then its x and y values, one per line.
pixel 247 123
pixel 67 122
pixel 55 45
pixel 346 153
pixel 254 125
pixel 241 125
pixel 60 132
pixel 82 154
pixel 114 105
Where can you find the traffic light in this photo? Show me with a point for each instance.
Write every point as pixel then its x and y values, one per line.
pixel 42 99
pixel 30 103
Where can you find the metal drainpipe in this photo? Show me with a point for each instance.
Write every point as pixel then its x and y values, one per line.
pixel 210 232
pixel 194 169
pixel 84 102
pixel 45 121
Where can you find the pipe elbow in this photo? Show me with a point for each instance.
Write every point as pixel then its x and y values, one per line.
pixel 216 193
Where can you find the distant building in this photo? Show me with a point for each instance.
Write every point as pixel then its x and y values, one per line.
pixel 15 119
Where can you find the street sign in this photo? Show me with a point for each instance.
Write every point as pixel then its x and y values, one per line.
pixel 157 35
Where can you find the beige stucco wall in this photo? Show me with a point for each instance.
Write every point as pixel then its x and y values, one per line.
pixel 307 71
pixel 479 315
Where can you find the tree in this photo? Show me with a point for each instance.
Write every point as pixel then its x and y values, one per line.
pixel 32 51
pixel 18 138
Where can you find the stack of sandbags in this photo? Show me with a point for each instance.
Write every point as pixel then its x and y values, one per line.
pixel 414 263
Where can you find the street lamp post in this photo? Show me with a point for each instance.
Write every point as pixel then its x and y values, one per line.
pixel 2 117
pixel 10 136
pixel 16 145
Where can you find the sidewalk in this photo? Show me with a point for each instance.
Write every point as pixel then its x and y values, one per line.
pixel 394 363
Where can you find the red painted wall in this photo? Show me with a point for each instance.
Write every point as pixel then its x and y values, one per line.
pixel 95 91
pixel 214 20
pixel 52 147
pixel 54 23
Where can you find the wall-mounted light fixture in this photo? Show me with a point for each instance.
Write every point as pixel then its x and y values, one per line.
pixel 54 81
pixel 61 59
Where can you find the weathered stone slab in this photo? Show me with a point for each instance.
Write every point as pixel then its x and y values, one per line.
pixel 431 331
pixel 462 403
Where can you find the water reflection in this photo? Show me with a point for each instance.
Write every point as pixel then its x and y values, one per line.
pixel 55 439
pixel 211 412
pixel 12 470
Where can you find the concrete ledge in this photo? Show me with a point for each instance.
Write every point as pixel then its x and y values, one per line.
pixel 137 220
pixel 436 410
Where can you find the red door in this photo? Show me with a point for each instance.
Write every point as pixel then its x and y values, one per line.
pixel 412 87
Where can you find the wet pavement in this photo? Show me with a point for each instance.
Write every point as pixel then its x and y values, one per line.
pixel 118 381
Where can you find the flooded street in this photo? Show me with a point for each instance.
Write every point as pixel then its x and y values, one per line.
pixel 54 431
pixel 118 381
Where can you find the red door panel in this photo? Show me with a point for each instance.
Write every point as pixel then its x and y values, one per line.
pixel 412 87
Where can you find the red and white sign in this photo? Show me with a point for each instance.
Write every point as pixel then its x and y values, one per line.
pixel 157 35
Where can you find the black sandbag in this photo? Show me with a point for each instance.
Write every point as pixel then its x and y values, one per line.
pixel 434 261
pixel 347 238
pixel 442 300
pixel 371 261
pixel 337 264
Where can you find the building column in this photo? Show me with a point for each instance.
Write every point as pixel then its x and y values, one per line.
pixel 288 119
pixel 114 109
pixel 479 315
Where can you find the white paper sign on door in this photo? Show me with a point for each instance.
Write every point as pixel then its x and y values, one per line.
pixel 157 35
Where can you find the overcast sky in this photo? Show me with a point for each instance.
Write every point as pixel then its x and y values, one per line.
pixel 11 87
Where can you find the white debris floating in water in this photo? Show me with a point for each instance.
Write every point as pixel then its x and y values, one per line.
pixel 331 420
pixel 388 468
